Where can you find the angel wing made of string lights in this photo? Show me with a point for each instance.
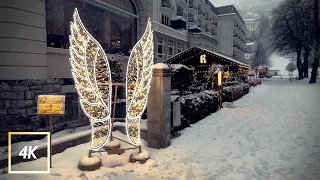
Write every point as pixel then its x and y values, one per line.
pixel 92 76
pixel 138 80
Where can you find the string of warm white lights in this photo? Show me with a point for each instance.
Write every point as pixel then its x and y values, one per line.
pixel 91 73
pixel 138 80
pixel 200 52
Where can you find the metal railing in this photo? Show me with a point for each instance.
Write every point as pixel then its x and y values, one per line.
pixel 167 4
pixel 169 31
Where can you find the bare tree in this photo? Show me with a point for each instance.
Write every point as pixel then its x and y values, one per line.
pixel 269 64
pixel 291 21
pixel 259 58
pixel 316 34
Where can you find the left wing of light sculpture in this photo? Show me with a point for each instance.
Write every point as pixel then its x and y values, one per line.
pixel 139 74
pixel 92 76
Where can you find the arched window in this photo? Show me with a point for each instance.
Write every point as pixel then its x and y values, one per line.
pixel 116 31
pixel 126 5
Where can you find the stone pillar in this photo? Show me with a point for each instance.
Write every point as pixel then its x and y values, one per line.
pixel 159 108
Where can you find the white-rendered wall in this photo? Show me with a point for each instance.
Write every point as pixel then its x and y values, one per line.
pixel 22 39
pixel 225 34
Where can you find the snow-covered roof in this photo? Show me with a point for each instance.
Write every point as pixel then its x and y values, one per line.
pixel 160 66
pixel 249 19
pixel 228 58
pixel 227 14
pixel 178 66
pixel 178 18
pixel 250 43
pixel 175 59
pixel 194 27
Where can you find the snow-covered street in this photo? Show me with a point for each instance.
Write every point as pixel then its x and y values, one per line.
pixel 272 133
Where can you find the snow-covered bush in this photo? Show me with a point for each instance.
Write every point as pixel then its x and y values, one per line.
pixel 239 91
pixel 198 105
pixel 181 79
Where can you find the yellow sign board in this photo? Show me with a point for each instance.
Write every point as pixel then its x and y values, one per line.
pixel 51 105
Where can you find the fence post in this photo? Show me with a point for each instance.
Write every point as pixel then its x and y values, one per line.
pixel 159 107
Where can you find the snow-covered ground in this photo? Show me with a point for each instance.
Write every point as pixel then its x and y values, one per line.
pixel 273 133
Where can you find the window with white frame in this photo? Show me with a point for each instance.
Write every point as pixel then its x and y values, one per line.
pixel 160 48
pixel 170 47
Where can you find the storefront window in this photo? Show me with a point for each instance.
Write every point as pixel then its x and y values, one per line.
pixel 115 32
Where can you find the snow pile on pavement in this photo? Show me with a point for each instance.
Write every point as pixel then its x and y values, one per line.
pixel 86 161
pixel 140 156
pixel 273 133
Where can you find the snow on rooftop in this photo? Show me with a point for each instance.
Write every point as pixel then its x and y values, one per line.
pixel 227 14
pixel 178 18
pixel 160 66
pixel 194 27
pixel 178 66
pixel 250 43
pixel 226 57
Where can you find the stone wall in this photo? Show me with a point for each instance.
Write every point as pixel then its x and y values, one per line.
pixel 18 105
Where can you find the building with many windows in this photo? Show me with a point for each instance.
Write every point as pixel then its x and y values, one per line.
pixel 181 24
pixel 252 25
pixel 232 32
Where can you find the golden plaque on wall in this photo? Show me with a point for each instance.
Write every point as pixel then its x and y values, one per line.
pixel 51 105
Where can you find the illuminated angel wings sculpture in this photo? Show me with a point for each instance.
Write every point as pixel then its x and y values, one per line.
pixel 139 74
pixel 92 76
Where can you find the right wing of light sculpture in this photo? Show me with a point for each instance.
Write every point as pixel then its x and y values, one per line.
pixel 92 76
pixel 139 74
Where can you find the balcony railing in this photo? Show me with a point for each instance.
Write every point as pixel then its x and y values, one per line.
pixel 169 31
pixel 167 4
pixel 206 28
pixel 179 13
pixel 193 6
pixel 190 18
